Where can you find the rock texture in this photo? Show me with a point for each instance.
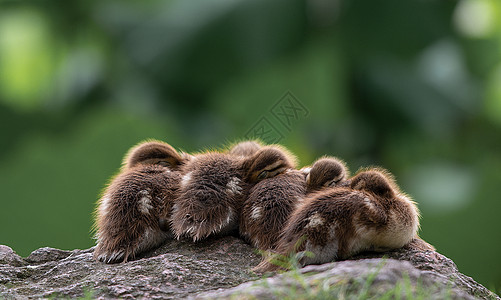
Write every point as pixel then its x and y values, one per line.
pixel 175 270
pixel 218 268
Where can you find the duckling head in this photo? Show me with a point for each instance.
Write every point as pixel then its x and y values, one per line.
pixel 153 152
pixel 377 181
pixel 268 162
pixel 326 172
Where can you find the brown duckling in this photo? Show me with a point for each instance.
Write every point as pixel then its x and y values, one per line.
pixel 326 172
pixel 370 214
pixel 214 186
pixel 129 213
pixel 271 201
pixel 152 152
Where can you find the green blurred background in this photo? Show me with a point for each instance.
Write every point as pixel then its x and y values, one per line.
pixel 414 86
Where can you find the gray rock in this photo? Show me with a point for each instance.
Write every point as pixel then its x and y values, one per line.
pixel 9 257
pixel 348 279
pixel 47 254
pixel 220 268
pixel 175 270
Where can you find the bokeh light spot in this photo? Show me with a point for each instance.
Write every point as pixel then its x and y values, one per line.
pixel 441 188
pixel 25 59
pixel 476 18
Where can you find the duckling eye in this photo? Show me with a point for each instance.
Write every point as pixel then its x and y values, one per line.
pixel 262 175
pixel 164 163
pixel 333 182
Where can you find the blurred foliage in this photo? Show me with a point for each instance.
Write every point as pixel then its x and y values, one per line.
pixel 414 86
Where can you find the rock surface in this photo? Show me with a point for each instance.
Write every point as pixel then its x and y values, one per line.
pixel 220 268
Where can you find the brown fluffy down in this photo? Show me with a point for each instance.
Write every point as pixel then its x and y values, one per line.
pixel 370 214
pixel 268 206
pixel 130 210
pixel 214 187
pixel 129 217
pixel 271 201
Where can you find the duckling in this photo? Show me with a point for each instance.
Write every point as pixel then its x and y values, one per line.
pixel 214 186
pixel 152 152
pixel 326 172
pixel 370 214
pixel 272 200
pixel 128 219
pixel 268 162
pixel 268 206
pixel 245 148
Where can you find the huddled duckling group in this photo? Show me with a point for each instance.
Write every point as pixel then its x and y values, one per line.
pixel 256 191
